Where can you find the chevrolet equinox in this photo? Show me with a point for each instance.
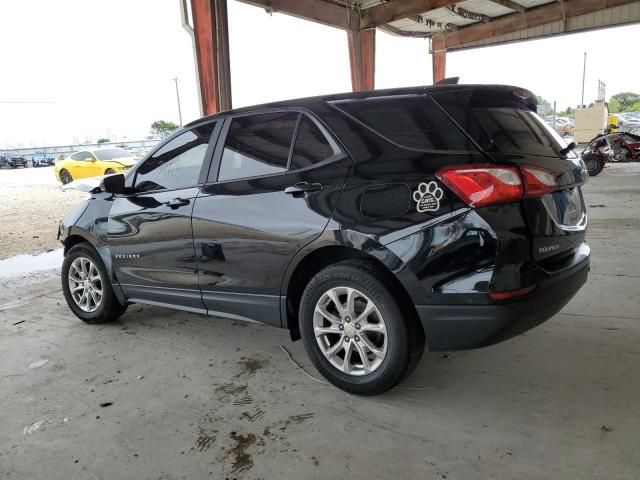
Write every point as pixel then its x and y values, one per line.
pixel 372 225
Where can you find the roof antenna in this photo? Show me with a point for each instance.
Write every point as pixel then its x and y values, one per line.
pixel 448 81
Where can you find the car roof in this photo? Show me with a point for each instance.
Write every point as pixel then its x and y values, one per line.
pixel 97 149
pixel 418 90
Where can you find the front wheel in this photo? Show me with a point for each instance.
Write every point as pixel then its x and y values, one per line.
pixel 110 171
pixel 65 177
pixel 354 330
pixel 594 163
pixel 86 286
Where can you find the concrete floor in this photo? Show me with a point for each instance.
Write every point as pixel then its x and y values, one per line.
pixel 195 397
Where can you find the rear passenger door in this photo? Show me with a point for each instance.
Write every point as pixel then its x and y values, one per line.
pixel 273 185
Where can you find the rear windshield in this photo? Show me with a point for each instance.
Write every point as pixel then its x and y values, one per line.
pixel 413 122
pixel 502 125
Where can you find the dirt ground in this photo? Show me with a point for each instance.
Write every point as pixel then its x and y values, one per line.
pixel 31 205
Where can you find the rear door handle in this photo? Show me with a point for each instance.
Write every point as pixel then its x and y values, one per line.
pixel 300 189
pixel 177 202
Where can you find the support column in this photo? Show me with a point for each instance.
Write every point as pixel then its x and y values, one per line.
pixel 211 37
pixel 362 58
pixel 438 58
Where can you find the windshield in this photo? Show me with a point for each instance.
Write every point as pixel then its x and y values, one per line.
pixel 111 153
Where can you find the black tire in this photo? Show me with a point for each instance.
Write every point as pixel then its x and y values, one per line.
pixel 405 339
pixel 594 163
pixel 65 177
pixel 109 308
pixel 110 171
pixel 34 164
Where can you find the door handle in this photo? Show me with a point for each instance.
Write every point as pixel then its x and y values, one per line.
pixel 300 189
pixel 177 202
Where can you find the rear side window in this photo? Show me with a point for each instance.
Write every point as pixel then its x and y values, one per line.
pixel 178 163
pixel 257 145
pixel 412 122
pixel 311 145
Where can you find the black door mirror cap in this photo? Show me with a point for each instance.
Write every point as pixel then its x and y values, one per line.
pixel 113 183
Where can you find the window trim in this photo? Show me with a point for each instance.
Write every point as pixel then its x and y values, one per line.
pixel 130 180
pixel 222 139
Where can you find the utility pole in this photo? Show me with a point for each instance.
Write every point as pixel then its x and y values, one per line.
pixel 584 70
pixel 175 79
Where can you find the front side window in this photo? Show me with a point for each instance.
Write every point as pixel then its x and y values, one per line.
pixel 311 146
pixel 177 164
pixel 257 145
pixel 80 156
pixel 111 153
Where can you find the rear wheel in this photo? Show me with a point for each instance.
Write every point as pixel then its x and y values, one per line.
pixel 65 177
pixel 594 163
pixel 355 332
pixel 86 286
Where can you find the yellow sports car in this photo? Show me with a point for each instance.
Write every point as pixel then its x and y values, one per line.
pixel 93 162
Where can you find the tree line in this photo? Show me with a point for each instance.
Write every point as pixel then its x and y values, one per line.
pixel 618 103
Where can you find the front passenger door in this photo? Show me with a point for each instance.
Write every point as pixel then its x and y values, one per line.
pixel 149 229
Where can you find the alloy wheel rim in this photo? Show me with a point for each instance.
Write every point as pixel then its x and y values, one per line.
pixel 350 331
pixel 85 284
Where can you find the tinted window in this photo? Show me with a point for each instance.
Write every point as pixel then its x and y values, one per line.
pixel 519 131
pixel 500 122
pixel 412 122
pixel 257 145
pixel 178 163
pixel 311 146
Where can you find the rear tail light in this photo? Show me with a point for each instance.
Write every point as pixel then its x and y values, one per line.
pixel 538 182
pixel 481 185
pixel 512 293
pixel 484 184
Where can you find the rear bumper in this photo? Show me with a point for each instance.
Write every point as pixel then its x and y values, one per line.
pixel 460 327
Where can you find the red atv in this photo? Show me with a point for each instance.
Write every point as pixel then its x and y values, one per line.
pixel 611 147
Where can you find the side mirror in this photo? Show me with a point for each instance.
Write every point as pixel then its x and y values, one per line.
pixel 89 159
pixel 113 183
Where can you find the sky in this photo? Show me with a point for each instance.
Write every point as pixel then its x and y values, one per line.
pixel 78 70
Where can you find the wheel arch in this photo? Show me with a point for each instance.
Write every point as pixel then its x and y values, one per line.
pixel 311 260
pixel 77 235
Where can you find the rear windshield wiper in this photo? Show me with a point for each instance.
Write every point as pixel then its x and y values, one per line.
pixel 567 149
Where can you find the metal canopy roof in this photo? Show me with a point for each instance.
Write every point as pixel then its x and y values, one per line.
pixel 463 24
pixel 449 24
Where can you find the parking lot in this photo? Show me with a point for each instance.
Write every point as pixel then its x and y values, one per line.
pixel 31 205
pixel 167 395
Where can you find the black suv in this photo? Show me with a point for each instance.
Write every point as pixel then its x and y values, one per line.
pixel 372 225
pixel 13 161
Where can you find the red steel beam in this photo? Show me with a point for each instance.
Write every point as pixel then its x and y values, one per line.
pixel 212 54
pixel 387 12
pixel 327 13
pixel 531 18
pixel 438 58
pixel 362 58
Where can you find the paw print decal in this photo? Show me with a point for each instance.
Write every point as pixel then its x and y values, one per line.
pixel 428 197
